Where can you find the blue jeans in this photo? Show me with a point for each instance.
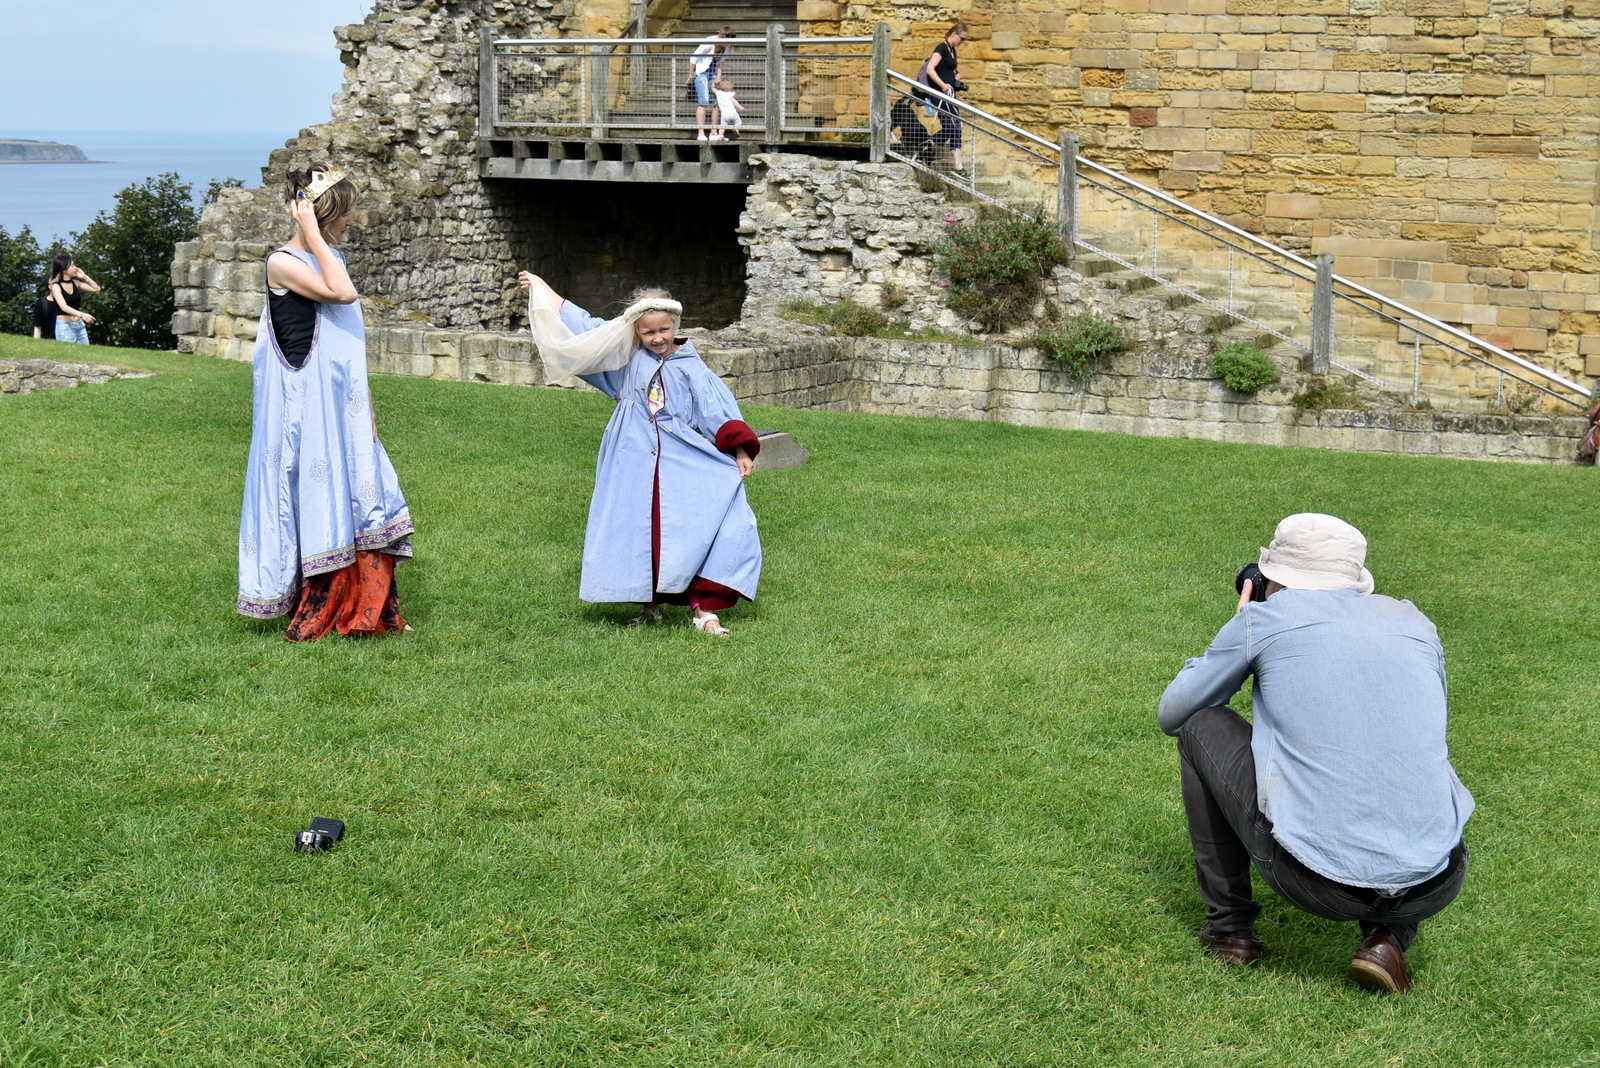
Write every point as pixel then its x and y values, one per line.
pixel 702 89
pixel 73 331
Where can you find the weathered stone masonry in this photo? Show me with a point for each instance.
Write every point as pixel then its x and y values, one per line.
pixel 431 239
pixel 1446 151
pixel 435 246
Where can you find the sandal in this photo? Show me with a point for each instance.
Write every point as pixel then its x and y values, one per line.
pixel 710 624
pixel 648 614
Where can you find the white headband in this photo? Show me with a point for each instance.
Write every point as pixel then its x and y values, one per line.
pixel 607 346
pixel 650 304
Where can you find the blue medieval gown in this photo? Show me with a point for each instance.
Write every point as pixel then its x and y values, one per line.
pixel 669 508
pixel 318 485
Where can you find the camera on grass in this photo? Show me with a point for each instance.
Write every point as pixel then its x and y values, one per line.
pixel 320 836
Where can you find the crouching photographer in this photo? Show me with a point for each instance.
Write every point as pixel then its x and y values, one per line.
pixel 939 72
pixel 1341 792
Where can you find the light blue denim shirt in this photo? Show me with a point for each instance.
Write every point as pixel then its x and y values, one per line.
pixel 1349 731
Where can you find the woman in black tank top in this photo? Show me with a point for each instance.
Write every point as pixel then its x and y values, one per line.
pixel 358 597
pixel 940 71
pixel 294 322
pixel 67 286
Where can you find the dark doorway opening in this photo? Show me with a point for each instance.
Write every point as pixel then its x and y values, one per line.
pixel 596 241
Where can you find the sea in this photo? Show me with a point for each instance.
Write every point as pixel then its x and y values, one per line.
pixel 59 199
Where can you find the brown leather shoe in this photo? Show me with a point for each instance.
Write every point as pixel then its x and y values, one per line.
pixel 1233 950
pixel 1380 965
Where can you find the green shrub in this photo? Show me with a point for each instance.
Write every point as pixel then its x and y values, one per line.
pixel 854 320
pixel 23 265
pixel 1078 342
pixel 845 316
pixel 1327 393
pixel 995 264
pixel 969 304
pixel 1244 367
pixel 892 297
pixel 129 252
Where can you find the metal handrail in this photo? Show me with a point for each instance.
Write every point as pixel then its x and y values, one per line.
pixel 1083 161
pixel 619 41
pixel 1523 362
pixel 1276 256
pixel 1277 250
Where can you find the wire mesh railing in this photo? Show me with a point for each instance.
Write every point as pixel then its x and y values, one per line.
pixel 967 147
pixel 787 88
pixel 1337 323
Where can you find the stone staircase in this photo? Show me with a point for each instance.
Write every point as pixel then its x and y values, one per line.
pixel 1140 299
pixel 747 20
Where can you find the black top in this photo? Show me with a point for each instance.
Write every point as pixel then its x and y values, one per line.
pixel 294 324
pixel 945 70
pixel 74 296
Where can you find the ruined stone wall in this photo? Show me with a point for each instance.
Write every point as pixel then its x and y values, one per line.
pixel 1445 151
pixel 1152 391
pixel 432 241
pixel 829 230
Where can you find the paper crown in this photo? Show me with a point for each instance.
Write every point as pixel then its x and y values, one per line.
pixel 321 182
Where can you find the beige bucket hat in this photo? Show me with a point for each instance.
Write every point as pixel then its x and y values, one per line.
pixel 1312 551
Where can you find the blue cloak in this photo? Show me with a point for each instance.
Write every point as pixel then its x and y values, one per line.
pixel 707 527
pixel 318 484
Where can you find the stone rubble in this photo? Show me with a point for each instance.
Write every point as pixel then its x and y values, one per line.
pixel 31 376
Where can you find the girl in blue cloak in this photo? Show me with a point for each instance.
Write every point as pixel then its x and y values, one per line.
pixel 668 523
pixel 324 519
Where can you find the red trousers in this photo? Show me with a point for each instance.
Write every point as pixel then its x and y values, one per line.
pixel 359 599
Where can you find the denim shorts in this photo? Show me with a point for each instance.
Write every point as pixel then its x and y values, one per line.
pixel 72 330
pixel 702 89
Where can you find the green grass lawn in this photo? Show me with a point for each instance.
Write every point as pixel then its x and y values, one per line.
pixel 914 811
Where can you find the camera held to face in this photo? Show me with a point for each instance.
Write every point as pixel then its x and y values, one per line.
pixel 1258 582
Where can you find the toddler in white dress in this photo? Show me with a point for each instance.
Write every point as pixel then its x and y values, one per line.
pixel 729 110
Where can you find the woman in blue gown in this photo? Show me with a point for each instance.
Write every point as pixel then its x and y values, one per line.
pixel 324 520
pixel 669 522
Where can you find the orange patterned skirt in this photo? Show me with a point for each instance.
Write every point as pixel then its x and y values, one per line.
pixel 359 599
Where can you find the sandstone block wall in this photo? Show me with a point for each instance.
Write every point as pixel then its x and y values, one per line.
pixel 1446 151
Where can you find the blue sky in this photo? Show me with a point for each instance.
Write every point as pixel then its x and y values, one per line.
pixel 238 65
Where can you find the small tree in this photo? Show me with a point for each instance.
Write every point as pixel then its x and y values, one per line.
pixel 129 253
pixel 22 269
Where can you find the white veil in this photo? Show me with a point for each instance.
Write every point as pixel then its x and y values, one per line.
pixel 607 347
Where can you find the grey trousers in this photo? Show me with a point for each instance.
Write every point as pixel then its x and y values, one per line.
pixel 1229 832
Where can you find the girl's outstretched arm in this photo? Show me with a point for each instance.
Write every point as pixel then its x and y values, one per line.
pixel 527 281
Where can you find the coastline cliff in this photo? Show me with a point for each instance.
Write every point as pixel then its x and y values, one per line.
pixel 13 150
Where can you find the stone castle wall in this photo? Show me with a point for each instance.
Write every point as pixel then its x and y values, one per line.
pixel 1151 392
pixel 1447 152
pixel 826 230
pixel 431 239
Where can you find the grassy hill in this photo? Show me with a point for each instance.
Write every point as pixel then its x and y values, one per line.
pixel 914 811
